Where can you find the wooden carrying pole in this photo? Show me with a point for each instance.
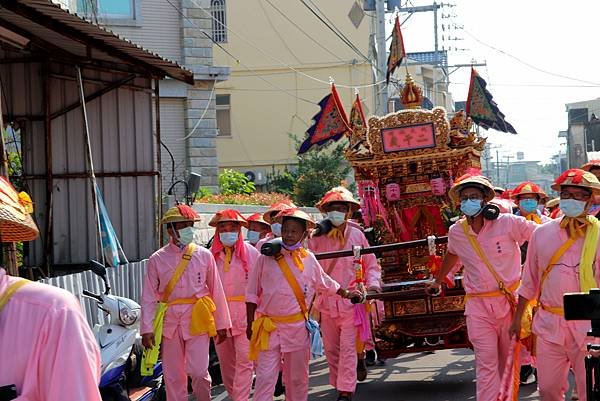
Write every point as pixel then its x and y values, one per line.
pixel 378 249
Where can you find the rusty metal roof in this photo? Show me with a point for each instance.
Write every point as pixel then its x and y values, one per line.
pixel 56 29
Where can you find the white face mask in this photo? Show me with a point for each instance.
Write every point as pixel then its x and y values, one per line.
pixel 228 239
pixel 186 235
pixel 253 237
pixel 276 229
pixel 337 218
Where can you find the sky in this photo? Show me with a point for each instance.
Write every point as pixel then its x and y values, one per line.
pixel 555 37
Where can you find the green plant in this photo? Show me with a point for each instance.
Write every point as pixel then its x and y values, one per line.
pixel 233 182
pixel 319 170
pixel 282 182
pixel 256 198
pixel 202 193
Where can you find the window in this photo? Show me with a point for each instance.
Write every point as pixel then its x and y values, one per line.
pixel 111 12
pixel 219 22
pixel 223 106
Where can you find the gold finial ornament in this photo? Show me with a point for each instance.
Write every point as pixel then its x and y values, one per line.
pixel 411 96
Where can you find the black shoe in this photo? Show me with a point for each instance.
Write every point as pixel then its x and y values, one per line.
pixel 370 357
pixel 279 387
pixel 344 397
pixel 525 374
pixel 361 370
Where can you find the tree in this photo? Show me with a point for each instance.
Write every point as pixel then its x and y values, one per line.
pixel 283 182
pixel 319 170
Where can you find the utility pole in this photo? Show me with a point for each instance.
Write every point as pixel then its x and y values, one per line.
pixel 382 95
pixel 497 167
pixel 508 157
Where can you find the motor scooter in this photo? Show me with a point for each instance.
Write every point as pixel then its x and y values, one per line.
pixel 121 348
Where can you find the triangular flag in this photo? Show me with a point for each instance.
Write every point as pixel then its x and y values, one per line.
pixel 357 117
pixel 330 123
pixel 482 109
pixel 397 52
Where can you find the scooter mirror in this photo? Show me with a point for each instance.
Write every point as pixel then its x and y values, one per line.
pixel 98 268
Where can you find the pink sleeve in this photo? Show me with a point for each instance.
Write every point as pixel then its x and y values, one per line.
pixel 213 281
pixel 252 288
pixel 325 283
pixel 372 268
pixel 69 363
pixel 522 229
pixel 452 237
pixel 149 297
pixel 252 254
pixel 530 278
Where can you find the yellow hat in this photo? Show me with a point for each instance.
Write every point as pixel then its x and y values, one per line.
pixel 16 224
pixel 476 181
pixel 178 214
pixel 295 214
pixel 577 178
pixel 338 194
pixel 528 188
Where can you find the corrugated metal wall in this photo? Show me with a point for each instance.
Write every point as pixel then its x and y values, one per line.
pixel 126 281
pixel 122 141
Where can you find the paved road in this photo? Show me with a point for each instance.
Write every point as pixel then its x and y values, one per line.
pixel 441 376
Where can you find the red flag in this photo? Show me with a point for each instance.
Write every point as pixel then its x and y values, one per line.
pixel 357 116
pixel 330 123
pixel 397 52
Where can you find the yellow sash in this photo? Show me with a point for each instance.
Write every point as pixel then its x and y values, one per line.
pixel 508 292
pixel 534 217
pixel 239 298
pixel 228 252
pixel 264 325
pixel 338 235
pixel 10 291
pixel 262 328
pixel 150 355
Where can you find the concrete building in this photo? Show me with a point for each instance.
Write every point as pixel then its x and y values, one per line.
pixel 178 30
pixel 583 133
pixel 281 56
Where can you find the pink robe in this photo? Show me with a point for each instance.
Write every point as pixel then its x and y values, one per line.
pixel 182 353
pixel 560 343
pixel 337 314
pixel 488 319
pixel 46 346
pixel 236 368
pixel 269 290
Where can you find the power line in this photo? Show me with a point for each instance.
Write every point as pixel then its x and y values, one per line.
pixel 270 56
pixel 528 64
pixel 235 58
pixel 335 30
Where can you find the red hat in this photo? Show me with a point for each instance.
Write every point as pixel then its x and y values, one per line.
pixel 339 194
pixel 228 215
pixel 589 165
pixel 277 207
pixel 258 218
pixel 295 214
pixel 527 188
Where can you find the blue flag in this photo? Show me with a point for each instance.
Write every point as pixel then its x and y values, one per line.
pixel 110 242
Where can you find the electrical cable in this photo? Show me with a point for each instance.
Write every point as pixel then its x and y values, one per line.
pixel 210 97
pixel 526 63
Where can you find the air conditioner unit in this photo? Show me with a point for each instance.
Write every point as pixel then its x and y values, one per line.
pixel 257 176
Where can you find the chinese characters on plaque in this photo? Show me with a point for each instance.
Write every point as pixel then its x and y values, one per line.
pixel 417 136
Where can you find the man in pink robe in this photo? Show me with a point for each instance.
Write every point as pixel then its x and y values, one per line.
pixel 487 309
pixel 235 259
pixel 47 350
pixel 338 323
pixel 560 343
pixel 270 296
pixel 183 354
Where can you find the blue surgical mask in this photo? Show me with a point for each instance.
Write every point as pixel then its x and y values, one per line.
pixel 276 229
pixel 470 207
pixel 253 237
pixel 186 235
pixel 528 205
pixel 572 207
pixel 336 218
pixel 228 239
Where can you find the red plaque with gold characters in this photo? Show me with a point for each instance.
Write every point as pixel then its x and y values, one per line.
pixel 418 136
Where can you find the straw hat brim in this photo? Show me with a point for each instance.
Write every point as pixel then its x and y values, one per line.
pixel 16 227
pixel 352 205
pixel 486 188
pixel 177 219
